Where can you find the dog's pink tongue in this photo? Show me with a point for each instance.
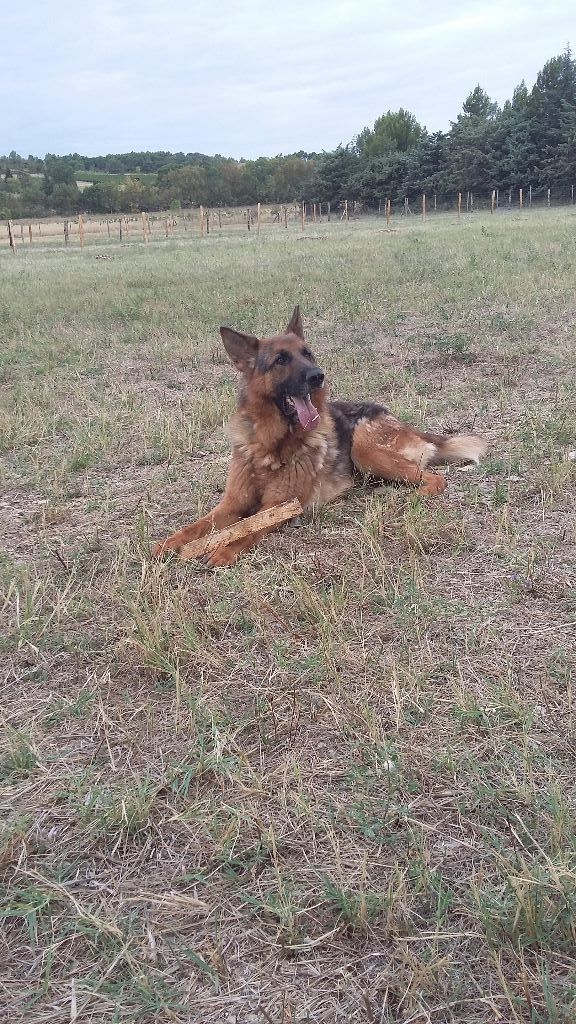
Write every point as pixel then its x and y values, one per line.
pixel 307 413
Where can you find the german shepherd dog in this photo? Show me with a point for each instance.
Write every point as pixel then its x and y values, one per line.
pixel 289 441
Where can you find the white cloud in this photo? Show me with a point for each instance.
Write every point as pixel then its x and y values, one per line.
pixel 244 78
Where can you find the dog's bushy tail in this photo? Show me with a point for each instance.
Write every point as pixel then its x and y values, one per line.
pixel 459 448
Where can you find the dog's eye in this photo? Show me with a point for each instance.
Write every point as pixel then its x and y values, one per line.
pixel 307 354
pixel 282 358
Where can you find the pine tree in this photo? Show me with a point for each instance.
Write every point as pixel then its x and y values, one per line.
pixel 396 131
pixel 552 108
pixel 517 155
pixel 472 145
pixel 381 178
pixel 427 167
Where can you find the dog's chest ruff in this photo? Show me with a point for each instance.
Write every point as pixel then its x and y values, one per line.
pixel 304 465
pixel 306 455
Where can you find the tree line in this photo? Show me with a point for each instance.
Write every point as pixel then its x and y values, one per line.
pixel 210 181
pixel 529 141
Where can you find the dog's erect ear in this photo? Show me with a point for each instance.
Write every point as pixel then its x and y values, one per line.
pixel 242 348
pixel 295 325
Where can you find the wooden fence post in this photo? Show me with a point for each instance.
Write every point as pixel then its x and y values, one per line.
pixel 30 233
pixel 388 211
pixel 434 202
pixel 258 219
pixel 201 221
pixel 521 198
pixel 493 200
pixel 66 232
pixel 11 237
pixel 346 215
pixel 328 212
pixel 406 206
pixel 548 198
pixel 81 230
pixel 219 219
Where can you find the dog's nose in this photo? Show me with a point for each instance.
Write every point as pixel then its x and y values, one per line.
pixel 315 378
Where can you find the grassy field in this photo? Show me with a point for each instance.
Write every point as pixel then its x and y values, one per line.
pixel 335 783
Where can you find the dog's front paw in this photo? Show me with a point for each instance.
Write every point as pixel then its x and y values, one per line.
pixel 163 548
pixel 220 557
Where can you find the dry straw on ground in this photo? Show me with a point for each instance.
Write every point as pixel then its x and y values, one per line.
pixel 336 782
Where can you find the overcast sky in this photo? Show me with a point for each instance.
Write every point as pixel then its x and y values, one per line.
pixel 253 78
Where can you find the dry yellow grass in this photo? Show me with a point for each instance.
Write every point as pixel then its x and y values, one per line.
pixel 336 782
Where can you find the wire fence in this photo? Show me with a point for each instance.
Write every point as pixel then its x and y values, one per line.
pixel 522 197
pixel 146 227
